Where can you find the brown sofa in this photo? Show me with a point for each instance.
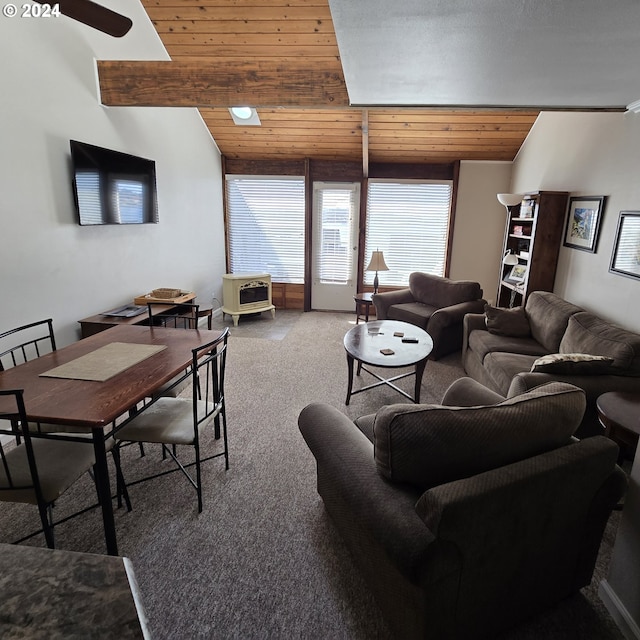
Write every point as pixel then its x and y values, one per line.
pixel 437 305
pixel 501 346
pixel 467 520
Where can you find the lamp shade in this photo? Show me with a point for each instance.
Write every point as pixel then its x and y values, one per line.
pixel 377 262
pixel 510 199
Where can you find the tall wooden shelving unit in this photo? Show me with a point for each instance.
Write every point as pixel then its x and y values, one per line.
pixel 533 233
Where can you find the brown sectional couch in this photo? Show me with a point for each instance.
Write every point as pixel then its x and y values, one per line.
pixel 502 359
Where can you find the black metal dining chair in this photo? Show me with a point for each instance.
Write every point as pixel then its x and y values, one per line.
pixel 39 469
pixel 178 316
pixel 32 343
pixel 176 422
pixel 24 343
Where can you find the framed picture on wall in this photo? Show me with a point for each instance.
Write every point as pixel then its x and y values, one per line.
pixel 583 222
pixel 625 258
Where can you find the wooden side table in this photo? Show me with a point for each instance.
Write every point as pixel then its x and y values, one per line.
pixel 619 414
pixel 363 305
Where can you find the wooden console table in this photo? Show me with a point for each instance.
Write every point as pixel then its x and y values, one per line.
pixel 100 322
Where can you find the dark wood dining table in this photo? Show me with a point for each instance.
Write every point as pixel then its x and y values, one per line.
pixel 95 405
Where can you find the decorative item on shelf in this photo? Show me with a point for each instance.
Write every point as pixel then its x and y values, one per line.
pixel 518 230
pixel 526 209
pixel 509 200
pixel 517 289
pixel 583 222
pixel 376 264
pixel 518 274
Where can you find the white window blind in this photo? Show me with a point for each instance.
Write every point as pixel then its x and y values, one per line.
pixel 265 225
pixel 627 255
pixel 335 209
pixel 129 196
pixel 89 199
pixel 409 222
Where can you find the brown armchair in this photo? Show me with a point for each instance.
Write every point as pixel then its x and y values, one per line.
pixel 465 519
pixel 437 305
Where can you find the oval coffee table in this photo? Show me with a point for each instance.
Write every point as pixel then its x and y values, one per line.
pixel 363 343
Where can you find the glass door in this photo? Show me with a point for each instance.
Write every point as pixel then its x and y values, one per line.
pixel 335 245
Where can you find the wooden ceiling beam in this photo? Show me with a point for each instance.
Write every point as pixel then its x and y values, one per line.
pixel 365 143
pixel 192 83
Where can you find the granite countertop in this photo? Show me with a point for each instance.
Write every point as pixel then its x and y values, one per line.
pixel 51 594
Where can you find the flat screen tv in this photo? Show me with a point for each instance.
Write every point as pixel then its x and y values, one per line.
pixel 111 187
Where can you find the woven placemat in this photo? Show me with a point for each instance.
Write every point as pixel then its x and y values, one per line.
pixel 105 362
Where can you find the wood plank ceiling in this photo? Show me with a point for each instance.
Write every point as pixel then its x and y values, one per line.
pixel 282 57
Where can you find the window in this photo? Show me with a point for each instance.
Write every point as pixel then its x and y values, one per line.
pixel 408 220
pixel 129 197
pixel 265 226
pixel 335 209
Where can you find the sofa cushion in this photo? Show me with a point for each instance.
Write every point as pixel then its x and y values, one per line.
pixel 507 322
pixel 484 342
pixel 548 316
pixel 428 445
pixel 587 333
pixel 572 364
pixel 502 366
pixel 415 313
pixel 441 292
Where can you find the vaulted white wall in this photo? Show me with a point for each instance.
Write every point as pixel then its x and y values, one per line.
pixel 588 154
pixel 478 235
pixel 52 267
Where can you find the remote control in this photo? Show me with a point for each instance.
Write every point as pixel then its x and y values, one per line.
pixel 412 340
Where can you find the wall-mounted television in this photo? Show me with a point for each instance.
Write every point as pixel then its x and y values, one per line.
pixel 111 187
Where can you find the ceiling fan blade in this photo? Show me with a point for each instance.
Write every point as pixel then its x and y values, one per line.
pixel 95 15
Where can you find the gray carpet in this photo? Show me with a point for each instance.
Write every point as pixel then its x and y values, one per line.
pixel 263 560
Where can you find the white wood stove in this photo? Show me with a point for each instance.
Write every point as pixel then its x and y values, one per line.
pixel 244 293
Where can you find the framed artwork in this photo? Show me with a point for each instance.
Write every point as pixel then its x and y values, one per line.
pixel 625 258
pixel 583 222
pixel 518 273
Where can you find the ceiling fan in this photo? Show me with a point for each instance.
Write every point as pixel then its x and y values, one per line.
pixel 94 15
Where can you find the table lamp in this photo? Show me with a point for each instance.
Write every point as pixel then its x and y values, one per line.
pixel 376 264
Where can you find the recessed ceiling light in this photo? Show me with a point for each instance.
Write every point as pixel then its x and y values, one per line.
pixel 246 116
pixel 244 113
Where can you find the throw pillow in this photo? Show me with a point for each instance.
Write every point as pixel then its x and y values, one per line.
pixel 507 322
pixel 572 364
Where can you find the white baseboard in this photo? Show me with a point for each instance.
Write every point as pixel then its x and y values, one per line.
pixel 618 611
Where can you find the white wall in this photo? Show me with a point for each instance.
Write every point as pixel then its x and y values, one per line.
pixel 597 154
pixel 479 226
pixel 588 154
pixel 52 267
